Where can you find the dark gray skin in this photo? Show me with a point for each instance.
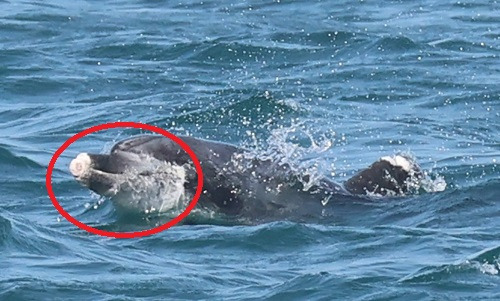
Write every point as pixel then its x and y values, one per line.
pixel 382 178
pixel 262 190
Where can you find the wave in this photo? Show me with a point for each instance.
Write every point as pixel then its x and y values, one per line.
pixel 22 30
pixel 481 19
pixel 262 238
pixel 144 51
pixel 394 44
pixel 458 102
pixel 291 46
pixel 459 45
pixel 13 117
pixel 266 53
pixel 8 158
pixel 379 97
pixel 14 56
pixel 26 236
pixel 39 17
pixel 320 38
pixel 259 109
pixel 35 85
pixel 486 261
pixel 460 206
pixel 5 230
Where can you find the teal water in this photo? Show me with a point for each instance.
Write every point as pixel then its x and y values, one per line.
pixel 333 84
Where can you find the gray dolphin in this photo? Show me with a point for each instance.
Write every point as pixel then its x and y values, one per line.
pixel 153 173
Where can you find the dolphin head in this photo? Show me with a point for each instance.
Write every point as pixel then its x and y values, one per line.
pixel 135 181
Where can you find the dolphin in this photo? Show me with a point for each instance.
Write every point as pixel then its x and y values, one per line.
pixel 153 173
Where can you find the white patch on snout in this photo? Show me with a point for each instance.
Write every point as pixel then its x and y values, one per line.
pixel 399 161
pixel 80 165
pixel 157 186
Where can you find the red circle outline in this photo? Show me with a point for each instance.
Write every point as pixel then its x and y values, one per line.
pixel 124 124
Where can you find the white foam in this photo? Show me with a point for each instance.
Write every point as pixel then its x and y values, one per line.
pixel 488 268
pixel 80 165
pixel 400 161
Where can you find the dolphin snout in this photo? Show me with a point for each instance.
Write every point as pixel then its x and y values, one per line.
pixel 80 165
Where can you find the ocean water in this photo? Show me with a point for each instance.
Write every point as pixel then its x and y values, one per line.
pixel 331 85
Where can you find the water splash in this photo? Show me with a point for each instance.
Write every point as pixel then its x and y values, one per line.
pixel 157 187
pixel 297 149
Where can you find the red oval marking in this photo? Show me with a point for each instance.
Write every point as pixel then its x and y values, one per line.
pixel 112 125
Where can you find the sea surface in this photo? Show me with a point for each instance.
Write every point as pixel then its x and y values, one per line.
pixel 331 86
